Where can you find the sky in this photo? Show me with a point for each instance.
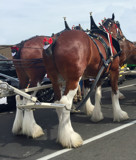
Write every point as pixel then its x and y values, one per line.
pixel 23 19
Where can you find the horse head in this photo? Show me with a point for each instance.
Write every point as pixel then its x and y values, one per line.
pixel 128 48
pixel 113 27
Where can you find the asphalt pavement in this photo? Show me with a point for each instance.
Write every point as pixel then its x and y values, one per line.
pixel 105 140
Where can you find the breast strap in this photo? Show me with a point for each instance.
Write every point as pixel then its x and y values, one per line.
pixel 107 49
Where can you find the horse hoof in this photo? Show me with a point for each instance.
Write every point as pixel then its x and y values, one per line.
pixel 16 131
pixel 89 110
pixel 97 117
pixel 33 131
pixel 122 116
pixel 37 132
pixel 73 141
pixel 121 96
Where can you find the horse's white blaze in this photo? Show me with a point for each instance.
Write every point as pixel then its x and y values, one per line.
pixel 97 114
pixel 118 113
pixel 88 107
pixel 66 135
pixel 17 125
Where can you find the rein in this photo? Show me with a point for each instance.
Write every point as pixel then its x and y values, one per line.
pixel 19 47
pixel 26 63
pixel 21 60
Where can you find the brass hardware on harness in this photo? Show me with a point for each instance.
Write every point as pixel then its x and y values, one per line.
pixel 111 58
pixel 64 18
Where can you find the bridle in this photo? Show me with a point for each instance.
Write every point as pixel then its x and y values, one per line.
pixel 108 23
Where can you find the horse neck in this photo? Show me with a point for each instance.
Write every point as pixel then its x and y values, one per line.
pixel 128 48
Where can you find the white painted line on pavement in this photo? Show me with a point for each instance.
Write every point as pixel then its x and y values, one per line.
pixel 109 89
pixel 89 140
pixel 127 86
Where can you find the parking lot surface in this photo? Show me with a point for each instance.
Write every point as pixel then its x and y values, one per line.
pixel 105 140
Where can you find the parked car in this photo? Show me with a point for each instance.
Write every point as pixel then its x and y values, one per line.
pixel 7 67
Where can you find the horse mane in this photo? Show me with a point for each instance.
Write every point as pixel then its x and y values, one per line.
pixel 131 42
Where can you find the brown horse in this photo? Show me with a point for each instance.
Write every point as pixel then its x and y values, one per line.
pixel 30 72
pixel 28 61
pixel 74 56
pixel 128 55
pixel 128 48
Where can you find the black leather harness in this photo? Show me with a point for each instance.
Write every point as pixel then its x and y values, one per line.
pixel 107 49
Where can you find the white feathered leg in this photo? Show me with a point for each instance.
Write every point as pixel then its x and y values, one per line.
pixel 30 127
pixel 17 125
pixel 118 113
pixel 88 107
pixel 97 114
pixel 121 95
pixel 66 135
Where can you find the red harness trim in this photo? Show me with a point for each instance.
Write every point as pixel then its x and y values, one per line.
pixel 73 27
pixel 50 41
pixel 15 48
pixel 110 39
pixel 116 26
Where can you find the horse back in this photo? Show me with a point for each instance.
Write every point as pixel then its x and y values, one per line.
pixel 29 66
pixel 32 48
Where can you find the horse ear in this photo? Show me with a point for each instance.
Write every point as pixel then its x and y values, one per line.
pixel 113 16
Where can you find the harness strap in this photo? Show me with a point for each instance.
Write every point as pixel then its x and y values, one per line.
pixel 109 38
pixel 107 50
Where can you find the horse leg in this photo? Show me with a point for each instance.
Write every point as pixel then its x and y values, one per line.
pixel 79 93
pixel 88 107
pixel 121 95
pixel 97 113
pixel 75 99
pixel 66 135
pixel 118 113
pixel 25 124
pixel 17 125
pixel 29 126
pixel 23 81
